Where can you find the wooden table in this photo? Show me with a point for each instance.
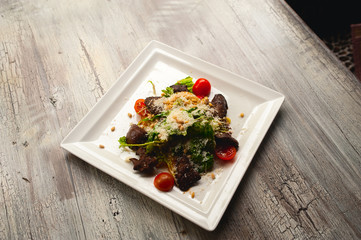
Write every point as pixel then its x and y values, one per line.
pixel 58 58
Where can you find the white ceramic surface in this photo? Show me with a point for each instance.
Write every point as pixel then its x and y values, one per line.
pixel 163 66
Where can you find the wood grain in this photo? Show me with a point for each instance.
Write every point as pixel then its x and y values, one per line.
pixel 57 59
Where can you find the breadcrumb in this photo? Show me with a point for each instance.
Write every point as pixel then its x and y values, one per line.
pixel 228 120
pixel 101 146
pixel 241 115
pixel 112 129
pixel 192 194
pixel 130 115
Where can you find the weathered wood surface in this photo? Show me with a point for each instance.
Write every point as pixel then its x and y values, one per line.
pixel 57 59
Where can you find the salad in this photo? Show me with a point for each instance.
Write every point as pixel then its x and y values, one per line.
pixel 182 130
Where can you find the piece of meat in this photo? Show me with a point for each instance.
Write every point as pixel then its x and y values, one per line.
pixel 186 176
pixel 219 103
pixel 140 151
pixel 226 139
pixel 146 163
pixel 152 108
pixel 179 88
pixel 135 135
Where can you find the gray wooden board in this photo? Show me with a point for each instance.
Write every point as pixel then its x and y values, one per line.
pixel 58 58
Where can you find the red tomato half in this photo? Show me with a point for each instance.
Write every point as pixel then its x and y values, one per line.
pixel 226 152
pixel 164 181
pixel 140 107
pixel 202 87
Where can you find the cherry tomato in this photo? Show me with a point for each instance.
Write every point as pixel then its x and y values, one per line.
pixel 164 181
pixel 140 107
pixel 201 87
pixel 226 152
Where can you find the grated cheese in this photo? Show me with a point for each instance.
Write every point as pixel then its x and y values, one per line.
pixel 180 117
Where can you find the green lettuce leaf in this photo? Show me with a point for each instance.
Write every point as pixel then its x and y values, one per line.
pixel 188 81
pixel 168 91
pixel 123 143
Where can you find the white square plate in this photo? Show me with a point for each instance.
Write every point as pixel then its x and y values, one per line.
pixel 163 66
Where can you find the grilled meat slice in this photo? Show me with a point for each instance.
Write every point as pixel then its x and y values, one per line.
pixel 136 135
pixel 219 103
pixel 152 108
pixel 179 88
pixel 186 176
pixel 146 163
pixel 226 139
